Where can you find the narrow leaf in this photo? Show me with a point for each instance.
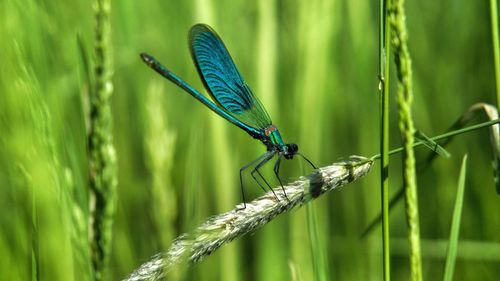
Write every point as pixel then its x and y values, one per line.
pixel 431 144
pixel 455 224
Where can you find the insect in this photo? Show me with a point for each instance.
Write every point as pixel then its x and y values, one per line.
pixel 232 99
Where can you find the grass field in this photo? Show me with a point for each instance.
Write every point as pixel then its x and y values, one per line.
pixel 171 163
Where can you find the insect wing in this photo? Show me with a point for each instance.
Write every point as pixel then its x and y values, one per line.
pixel 223 80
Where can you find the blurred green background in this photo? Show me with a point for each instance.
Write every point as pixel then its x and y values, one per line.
pixel 314 66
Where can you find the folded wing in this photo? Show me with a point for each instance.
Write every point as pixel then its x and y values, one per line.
pixel 223 80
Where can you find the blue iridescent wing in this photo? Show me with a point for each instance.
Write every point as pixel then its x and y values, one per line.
pixel 158 67
pixel 223 80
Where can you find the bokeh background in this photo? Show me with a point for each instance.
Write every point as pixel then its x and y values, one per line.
pixel 314 66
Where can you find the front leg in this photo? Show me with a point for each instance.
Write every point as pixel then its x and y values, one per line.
pixel 277 173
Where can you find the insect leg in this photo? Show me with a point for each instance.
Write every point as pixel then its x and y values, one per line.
pixel 241 177
pixel 256 170
pixel 258 181
pixel 277 173
pixel 308 161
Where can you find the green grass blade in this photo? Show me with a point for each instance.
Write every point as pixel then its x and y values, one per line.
pixel 455 225
pixel 317 253
pixel 83 54
pixel 432 145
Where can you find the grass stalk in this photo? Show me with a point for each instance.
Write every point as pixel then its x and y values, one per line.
pixel 470 250
pixel 406 127
pixel 456 129
pixel 224 228
pixel 496 47
pixel 102 156
pixel 317 253
pixel 445 136
pixel 451 255
pixel 384 62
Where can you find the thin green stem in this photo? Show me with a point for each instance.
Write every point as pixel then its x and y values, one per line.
pixel 496 50
pixel 445 136
pixel 384 62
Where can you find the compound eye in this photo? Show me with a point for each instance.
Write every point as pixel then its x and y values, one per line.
pixel 294 148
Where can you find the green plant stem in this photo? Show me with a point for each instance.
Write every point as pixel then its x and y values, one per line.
pixel 102 157
pixel 495 42
pixel 404 100
pixel 444 136
pixel 384 63
pixel 431 156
